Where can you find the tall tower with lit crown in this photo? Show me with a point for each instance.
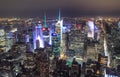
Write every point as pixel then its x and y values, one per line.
pixel 59 31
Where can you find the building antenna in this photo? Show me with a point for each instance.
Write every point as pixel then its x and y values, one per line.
pixel 45 25
pixel 59 17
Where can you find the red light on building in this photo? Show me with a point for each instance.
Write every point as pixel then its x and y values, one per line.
pixel 48 28
pixel 79 26
pixel 43 29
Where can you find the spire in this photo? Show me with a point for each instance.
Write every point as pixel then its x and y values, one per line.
pixel 59 17
pixel 45 25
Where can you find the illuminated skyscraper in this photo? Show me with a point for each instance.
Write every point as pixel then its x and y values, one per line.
pixel 38 35
pixel 59 27
pixel 90 24
pixel 59 31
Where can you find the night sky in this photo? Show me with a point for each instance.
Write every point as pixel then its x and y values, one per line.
pixel 68 7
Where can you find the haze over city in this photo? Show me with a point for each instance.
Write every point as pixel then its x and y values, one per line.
pixel 68 7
